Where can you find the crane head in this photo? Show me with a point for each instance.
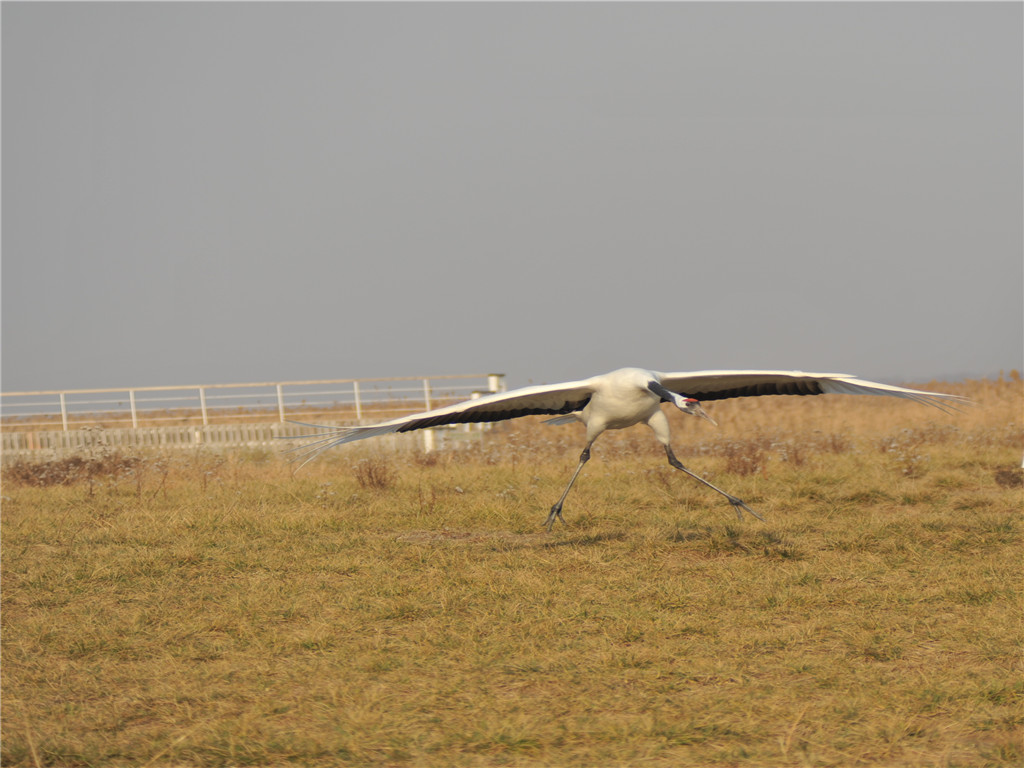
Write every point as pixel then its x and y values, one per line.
pixel 691 406
pixel 685 404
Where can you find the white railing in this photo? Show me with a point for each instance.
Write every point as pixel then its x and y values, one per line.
pixel 354 400
pixel 262 435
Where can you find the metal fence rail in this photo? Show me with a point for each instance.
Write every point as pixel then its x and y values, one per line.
pixel 219 414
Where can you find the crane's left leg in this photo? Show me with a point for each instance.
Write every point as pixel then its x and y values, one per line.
pixel 556 510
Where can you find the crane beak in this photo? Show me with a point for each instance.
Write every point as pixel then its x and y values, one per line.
pixel 696 410
pixel 691 406
pixel 688 405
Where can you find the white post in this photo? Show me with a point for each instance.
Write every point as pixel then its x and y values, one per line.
pixel 468 426
pixel 359 405
pixel 202 405
pixel 428 434
pixel 135 414
pixel 496 382
pixel 63 412
pixel 280 403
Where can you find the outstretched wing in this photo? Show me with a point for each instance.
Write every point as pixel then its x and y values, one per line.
pixel 720 385
pixel 551 399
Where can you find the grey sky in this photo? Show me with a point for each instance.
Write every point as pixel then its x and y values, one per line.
pixel 204 193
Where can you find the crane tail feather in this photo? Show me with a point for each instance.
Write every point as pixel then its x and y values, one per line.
pixel 567 418
pixel 329 438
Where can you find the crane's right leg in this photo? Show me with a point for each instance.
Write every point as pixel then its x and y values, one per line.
pixel 556 510
pixel 737 504
pixel 659 424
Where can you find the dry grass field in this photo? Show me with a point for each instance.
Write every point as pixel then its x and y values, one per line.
pixel 408 610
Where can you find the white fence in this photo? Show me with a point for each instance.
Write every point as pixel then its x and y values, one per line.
pixel 267 436
pixel 252 415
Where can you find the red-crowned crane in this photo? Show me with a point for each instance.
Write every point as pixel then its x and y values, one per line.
pixel 623 398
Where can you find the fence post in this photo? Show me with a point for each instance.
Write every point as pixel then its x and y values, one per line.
pixel 202 405
pixel 428 434
pixel 280 403
pixel 359 405
pixel 135 415
pixel 63 412
pixel 496 382
pixel 468 426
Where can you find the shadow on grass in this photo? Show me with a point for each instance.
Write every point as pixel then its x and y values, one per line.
pixel 715 541
pixel 584 539
pixel 506 540
pixel 705 541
